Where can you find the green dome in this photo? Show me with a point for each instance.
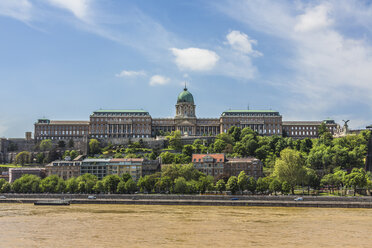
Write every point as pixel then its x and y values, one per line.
pixel 185 96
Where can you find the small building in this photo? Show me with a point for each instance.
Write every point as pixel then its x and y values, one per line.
pixel 217 164
pixel 60 130
pixel 150 167
pixel 15 173
pixel 64 169
pixel 136 167
pixel 209 164
pixel 307 129
pixel 119 166
pixel 252 167
pixel 95 166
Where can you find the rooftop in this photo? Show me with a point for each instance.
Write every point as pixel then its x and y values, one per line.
pixel 115 160
pixel 69 123
pixel 249 159
pixel 217 156
pixel 284 123
pixel 120 111
pixel 185 96
pixel 244 112
pixel 96 160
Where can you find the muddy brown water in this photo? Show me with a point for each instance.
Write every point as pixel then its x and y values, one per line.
pixel 26 225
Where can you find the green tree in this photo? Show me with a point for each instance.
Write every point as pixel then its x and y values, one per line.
pixel 242 181
pixel 275 186
pixel 167 157
pixel 27 184
pixel 311 179
pixel 330 181
pixel 23 158
pixel 290 167
pixel 99 187
pixel 174 140
pixel 205 184
pixel 118 155
pixel 188 150
pixel 110 183
pixel 73 154
pixel 251 185
pixel 40 158
pixel 164 184
pixel 125 177
pixel 130 186
pixel 306 145
pixel 240 149
pixel 262 152
pixel 219 145
pixel 147 183
pixel 232 184
pixel 356 179
pixel 286 187
pixel 46 145
pixel 52 184
pixel 235 133
pixel 71 185
pixel 251 145
pixel 86 183
pixel 220 185
pixel 263 184
pixel 322 129
pixel 180 185
pixel 2 182
pixel 5 188
pixel 94 146
pixel 121 188
pixel 248 131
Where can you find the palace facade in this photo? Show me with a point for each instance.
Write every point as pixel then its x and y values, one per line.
pixel 108 124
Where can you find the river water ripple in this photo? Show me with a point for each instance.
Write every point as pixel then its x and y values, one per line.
pixel 26 225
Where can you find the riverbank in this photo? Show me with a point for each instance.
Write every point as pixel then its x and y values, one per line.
pixel 199 200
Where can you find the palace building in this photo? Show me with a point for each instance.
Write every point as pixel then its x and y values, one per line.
pixel 107 124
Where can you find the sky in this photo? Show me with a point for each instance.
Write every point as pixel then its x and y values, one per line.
pixel 64 59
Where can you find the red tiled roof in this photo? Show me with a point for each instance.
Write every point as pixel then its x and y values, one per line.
pixel 217 157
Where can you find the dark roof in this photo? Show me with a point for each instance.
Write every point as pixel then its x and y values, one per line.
pixel 185 96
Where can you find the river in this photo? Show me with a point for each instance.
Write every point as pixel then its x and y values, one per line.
pixel 26 225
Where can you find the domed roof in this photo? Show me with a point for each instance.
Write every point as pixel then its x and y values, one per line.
pixel 185 96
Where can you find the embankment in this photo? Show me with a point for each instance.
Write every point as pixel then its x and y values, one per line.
pixel 199 200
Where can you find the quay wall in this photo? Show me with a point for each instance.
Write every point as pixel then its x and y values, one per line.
pixel 193 197
pixel 255 203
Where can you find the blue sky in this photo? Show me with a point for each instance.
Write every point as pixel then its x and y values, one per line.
pixel 63 59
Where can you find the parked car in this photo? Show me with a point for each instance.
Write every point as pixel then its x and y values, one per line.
pixel 92 197
pixel 2 197
pixel 299 199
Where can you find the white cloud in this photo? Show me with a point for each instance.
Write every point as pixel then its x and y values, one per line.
pixel 313 19
pixel 158 80
pixel 80 8
pixel 195 59
pixel 18 9
pixel 328 70
pixel 241 42
pixel 125 73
